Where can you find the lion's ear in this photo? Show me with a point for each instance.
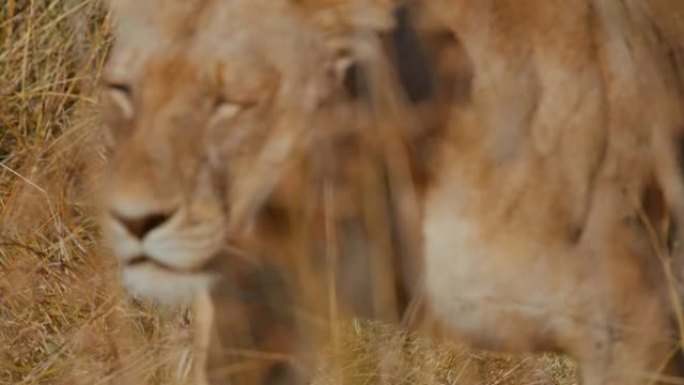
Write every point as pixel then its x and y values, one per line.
pixel 414 56
pixel 352 75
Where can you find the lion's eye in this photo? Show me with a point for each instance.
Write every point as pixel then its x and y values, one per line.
pixel 226 110
pixel 120 95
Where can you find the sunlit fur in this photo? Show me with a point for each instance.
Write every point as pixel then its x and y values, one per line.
pixel 545 184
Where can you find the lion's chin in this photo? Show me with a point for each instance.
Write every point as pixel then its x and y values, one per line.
pixel 148 280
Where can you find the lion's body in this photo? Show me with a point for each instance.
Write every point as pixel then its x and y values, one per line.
pixel 551 189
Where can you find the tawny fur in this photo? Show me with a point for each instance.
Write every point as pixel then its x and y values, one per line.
pixel 544 184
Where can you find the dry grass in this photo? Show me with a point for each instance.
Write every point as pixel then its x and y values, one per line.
pixel 378 354
pixel 63 317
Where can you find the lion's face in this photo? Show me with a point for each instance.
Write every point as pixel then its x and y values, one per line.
pixel 203 112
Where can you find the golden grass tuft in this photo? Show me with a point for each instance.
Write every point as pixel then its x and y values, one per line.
pixel 64 318
pixel 371 353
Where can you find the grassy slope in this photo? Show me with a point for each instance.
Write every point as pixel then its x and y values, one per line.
pixel 63 317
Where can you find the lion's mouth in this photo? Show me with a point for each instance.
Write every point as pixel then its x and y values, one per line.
pixel 228 257
pixel 142 260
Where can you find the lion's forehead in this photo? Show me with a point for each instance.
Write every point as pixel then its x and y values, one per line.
pixel 286 30
pixel 183 15
pixel 179 17
pixel 208 23
pixel 243 48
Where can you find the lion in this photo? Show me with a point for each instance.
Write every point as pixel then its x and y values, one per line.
pixel 528 153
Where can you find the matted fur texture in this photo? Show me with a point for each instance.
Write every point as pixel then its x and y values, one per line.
pixel 527 189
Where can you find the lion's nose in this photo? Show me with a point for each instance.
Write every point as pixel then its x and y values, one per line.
pixel 140 226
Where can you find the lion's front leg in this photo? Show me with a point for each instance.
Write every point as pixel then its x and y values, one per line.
pixel 628 338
